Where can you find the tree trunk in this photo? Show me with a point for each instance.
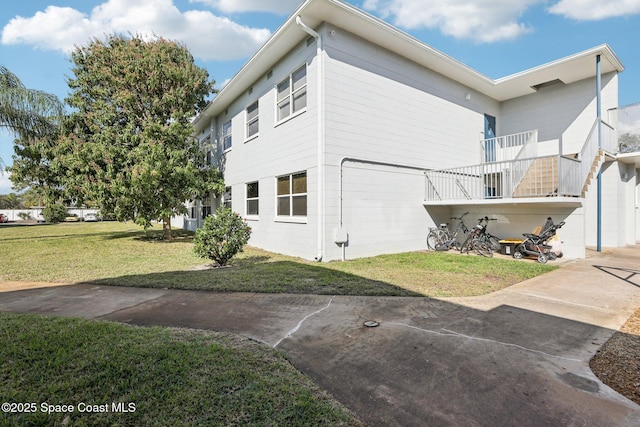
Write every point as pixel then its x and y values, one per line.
pixel 166 228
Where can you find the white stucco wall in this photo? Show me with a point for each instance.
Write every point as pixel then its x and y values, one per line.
pixel 280 148
pixel 559 112
pixel 383 108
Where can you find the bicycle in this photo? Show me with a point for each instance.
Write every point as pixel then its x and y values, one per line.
pixel 480 240
pixel 443 239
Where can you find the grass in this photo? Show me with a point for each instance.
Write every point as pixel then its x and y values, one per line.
pixel 184 377
pixel 163 377
pixel 110 253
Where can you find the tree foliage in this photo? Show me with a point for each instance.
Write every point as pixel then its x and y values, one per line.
pixel 27 112
pixel 10 201
pixel 129 146
pixel 222 236
pixel 54 213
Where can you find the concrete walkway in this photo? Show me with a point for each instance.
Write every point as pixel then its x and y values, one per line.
pixel 517 357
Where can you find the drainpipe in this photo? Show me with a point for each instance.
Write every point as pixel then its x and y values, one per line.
pixel 599 118
pixel 321 136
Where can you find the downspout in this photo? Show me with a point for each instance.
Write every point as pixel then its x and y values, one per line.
pixel 321 135
pixel 599 181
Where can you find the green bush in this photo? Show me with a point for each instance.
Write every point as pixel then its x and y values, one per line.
pixel 223 235
pixel 54 213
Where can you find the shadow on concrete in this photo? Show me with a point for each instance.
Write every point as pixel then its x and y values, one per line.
pixel 429 362
pixel 628 275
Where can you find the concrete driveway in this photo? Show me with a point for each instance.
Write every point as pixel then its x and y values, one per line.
pixel 517 357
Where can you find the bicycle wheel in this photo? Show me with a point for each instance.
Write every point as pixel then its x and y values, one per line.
pixel 483 248
pixel 467 245
pixel 494 242
pixel 433 238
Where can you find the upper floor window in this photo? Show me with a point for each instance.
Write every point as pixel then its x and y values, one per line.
pixel 253 117
pixel 292 195
pixel 226 135
pixel 292 93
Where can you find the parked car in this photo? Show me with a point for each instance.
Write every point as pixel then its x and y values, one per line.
pixel 72 218
pixel 91 217
pixel 4 218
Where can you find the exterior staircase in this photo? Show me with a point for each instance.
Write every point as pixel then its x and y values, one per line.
pixel 541 178
pixel 593 172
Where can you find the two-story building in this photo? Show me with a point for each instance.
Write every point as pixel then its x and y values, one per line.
pixel 344 137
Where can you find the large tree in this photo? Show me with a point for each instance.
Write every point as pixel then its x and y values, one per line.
pixel 27 113
pixel 129 146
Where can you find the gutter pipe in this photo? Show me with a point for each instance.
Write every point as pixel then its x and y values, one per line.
pixel 341 187
pixel 321 134
pixel 599 181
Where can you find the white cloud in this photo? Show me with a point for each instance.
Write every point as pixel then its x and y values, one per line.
pixel 280 7
pixel 632 128
pixel 206 35
pixel 594 10
pixel 480 20
pixel 6 186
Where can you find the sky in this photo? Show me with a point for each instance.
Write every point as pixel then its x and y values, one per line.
pixel 495 37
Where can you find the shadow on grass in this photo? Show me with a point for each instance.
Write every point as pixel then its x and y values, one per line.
pixel 257 274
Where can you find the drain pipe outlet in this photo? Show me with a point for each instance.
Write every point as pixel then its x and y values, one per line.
pixel 321 136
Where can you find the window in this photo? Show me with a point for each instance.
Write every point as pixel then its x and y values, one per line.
pixel 206 211
pixel 226 198
pixel 253 202
pixel 226 135
pixel 252 120
pixel 292 195
pixel 292 93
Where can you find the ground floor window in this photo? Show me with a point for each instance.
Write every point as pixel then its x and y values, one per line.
pixel 226 198
pixel 253 201
pixel 292 195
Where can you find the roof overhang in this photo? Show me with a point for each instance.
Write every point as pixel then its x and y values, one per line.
pixel 555 202
pixel 630 158
pixel 335 12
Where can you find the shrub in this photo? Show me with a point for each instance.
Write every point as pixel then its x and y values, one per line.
pixel 54 213
pixel 24 216
pixel 223 235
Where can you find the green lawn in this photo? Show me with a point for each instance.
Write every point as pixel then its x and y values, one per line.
pixel 112 253
pixel 160 376
pixel 183 377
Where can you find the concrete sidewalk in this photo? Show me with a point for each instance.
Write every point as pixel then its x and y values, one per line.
pixel 517 357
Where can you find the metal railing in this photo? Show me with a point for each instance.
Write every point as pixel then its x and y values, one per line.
pixel 533 177
pixel 506 147
pixel 524 174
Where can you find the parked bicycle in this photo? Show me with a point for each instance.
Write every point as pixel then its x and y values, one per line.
pixel 443 239
pixel 480 240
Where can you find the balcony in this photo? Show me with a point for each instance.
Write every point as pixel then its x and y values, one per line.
pixel 519 169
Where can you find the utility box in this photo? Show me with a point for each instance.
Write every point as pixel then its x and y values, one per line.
pixel 340 236
pixel 508 246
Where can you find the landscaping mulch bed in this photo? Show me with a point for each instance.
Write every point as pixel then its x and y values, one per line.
pixel 617 363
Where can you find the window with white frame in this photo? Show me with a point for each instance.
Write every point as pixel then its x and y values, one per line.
pixel 253 200
pixel 226 198
pixel 292 195
pixel 226 135
pixel 253 122
pixel 292 93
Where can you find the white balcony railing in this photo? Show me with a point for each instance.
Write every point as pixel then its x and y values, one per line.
pixel 507 147
pixel 524 173
pixel 534 177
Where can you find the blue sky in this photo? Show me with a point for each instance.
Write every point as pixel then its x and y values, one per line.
pixel 495 37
